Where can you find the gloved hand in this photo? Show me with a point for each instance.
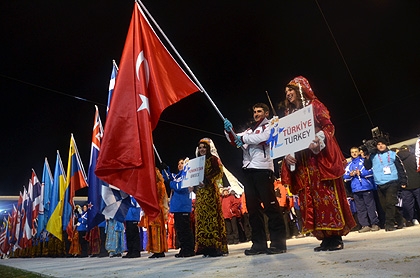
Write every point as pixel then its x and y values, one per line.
pixel 238 141
pixel 227 124
pixel 163 166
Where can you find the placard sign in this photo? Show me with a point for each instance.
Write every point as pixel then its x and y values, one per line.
pixel 291 133
pixel 193 171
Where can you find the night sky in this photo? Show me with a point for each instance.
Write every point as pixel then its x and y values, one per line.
pixel 361 58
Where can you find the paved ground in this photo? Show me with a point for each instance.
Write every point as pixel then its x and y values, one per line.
pixel 372 254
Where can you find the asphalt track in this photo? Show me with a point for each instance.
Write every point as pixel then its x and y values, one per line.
pixel 371 254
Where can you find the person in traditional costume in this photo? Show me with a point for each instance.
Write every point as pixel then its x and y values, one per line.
pixel 318 171
pixel 94 242
pixel 156 231
pixel 210 229
pixel 114 237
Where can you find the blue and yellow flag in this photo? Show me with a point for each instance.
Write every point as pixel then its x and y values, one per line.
pixel 55 224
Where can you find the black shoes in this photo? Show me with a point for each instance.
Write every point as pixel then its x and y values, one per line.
pixel 320 248
pixel 157 255
pixel 252 252
pixel 113 255
pixel 131 256
pixel 275 250
pixel 184 255
pixel 333 243
pixel 390 229
pixel 329 248
pixel 336 247
pixel 409 224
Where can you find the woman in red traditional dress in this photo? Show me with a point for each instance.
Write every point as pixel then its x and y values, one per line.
pixel 317 177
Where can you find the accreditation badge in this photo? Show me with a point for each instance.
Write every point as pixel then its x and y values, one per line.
pixel 387 170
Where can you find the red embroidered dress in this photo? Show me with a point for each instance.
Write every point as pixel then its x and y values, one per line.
pixel 318 177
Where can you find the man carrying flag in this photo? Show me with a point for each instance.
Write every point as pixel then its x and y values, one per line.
pixel 149 80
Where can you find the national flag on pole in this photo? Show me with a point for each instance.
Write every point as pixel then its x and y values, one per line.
pixel 18 220
pixel 117 203
pixel 95 202
pixel 76 179
pixel 148 81
pixel 13 225
pixel 27 217
pixel 37 201
pixel 47 183
pixel 112 84
pixel 4 236
pixel 55 224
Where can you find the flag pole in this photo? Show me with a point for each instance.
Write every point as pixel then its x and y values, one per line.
pixel 160 161
pixel 181 59
pixel 157 154
pixel 115 64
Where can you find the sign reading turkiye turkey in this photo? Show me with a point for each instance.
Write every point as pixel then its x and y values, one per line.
pixel 291 133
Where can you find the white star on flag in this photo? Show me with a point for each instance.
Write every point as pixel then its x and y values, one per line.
pixel 144 103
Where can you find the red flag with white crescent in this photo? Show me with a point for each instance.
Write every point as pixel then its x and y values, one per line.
pixel 148 81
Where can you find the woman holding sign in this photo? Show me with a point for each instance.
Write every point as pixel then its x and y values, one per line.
pixel 316 173
pixel 210 239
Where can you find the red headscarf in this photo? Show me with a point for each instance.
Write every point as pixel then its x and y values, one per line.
pixel 304 84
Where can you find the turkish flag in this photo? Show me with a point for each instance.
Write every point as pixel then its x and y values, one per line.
pixel 149 80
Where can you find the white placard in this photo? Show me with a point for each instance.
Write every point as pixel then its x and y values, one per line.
pixel 193 171
pixel 291 133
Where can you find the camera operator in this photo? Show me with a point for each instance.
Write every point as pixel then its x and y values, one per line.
pixel 390 177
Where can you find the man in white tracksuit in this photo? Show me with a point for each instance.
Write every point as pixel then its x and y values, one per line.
pixel 259 184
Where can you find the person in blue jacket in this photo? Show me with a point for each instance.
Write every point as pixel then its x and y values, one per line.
pixel 390 177
pixel 362 187
pixel 181 206
pixel 82 228
pixel 132 231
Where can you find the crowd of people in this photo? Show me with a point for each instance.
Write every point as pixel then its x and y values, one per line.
pixel 315 193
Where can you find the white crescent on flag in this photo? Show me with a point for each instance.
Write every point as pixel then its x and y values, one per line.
pixel 144 100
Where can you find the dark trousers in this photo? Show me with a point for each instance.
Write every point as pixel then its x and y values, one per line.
pixel 379 209
pixel 388 198
pixel 102 235
pixel 409 198
pixel 232 230
pixel 133 237
pixel 184 232
pixel 83 243
pixel 366 208
pixel 259 188
pixel 246 228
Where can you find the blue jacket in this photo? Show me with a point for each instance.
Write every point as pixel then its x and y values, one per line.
pixel 83 222
pixel 363 182
pixel 387 167
pixel 133 213
pixel 180 200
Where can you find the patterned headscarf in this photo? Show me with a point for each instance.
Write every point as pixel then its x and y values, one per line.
pixel 210 143
pixel 306 88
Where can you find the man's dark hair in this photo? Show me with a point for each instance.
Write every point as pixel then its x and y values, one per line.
pixel 261 105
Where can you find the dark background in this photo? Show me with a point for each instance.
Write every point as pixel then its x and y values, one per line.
pixel 361 58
